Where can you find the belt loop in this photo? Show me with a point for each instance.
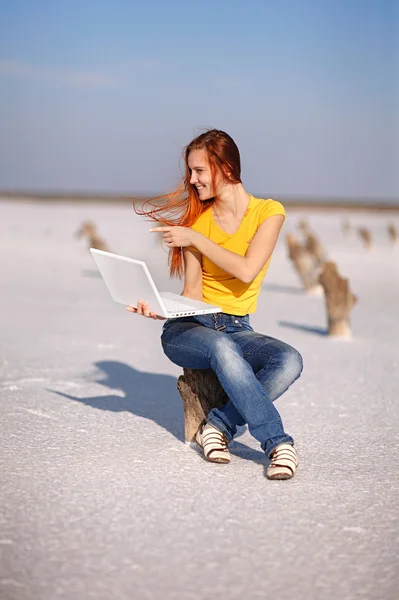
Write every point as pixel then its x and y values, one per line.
pixel 221 326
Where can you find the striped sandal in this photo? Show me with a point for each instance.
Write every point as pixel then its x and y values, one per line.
pixel 213 443
pixel 283 462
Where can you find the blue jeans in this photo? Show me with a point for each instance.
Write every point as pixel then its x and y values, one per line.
pixel 252 368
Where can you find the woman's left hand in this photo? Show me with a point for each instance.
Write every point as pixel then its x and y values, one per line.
pixel 176 237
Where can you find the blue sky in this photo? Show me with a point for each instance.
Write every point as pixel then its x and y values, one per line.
pixel 101 96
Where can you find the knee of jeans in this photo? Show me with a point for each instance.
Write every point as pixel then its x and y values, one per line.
pixel 293 363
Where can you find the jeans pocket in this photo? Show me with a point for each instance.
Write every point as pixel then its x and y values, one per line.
pixel 245 324
pixel 237 323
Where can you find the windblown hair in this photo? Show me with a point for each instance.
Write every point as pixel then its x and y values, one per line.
pixel 183 206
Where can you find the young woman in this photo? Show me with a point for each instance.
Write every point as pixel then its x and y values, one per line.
pixel 222 238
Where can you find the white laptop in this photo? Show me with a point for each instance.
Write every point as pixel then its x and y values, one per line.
pixel 129 281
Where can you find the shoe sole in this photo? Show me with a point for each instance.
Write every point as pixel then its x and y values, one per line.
pixel 279 477
pixel 220 461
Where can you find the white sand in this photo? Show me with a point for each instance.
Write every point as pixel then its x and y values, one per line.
pixel 100 497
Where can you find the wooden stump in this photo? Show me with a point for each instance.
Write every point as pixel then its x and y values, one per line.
pixel 315 247
pixel 339 300
pixel 304 263
pixel 303 226
pixel 89 230
pixel 393 233
pixel 200 391
pixel 366 237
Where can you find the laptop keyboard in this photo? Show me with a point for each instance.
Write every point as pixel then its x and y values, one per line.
pixel 174 307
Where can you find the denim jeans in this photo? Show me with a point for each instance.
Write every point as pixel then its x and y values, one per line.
pixel 253 369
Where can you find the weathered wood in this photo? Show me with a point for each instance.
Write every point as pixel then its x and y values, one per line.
pixel 315 247
pixel 88 230
pixel 303 226
pixel 339 300
pixel 393 233
pixel 366 237
pixel 200 391
pixel 304 263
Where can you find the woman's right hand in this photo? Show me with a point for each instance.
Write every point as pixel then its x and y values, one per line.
pixel 143 310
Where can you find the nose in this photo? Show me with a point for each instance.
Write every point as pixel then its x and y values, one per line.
pixel 193 178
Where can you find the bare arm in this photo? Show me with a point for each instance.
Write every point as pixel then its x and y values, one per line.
pixel 247 267
pixel 192 274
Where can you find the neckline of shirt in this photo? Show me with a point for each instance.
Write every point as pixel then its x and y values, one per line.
pixel 230 235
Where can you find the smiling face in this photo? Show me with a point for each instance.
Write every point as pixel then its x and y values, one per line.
pixel 200 173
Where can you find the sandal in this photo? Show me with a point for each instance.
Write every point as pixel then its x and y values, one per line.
pixel 283 462
pixel 213 443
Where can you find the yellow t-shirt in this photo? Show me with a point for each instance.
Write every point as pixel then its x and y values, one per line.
pixel 220 288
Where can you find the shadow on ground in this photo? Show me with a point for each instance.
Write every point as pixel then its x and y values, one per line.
pixel 307 328
pixel 247 453
pixel 238 449
pixel 151 396
pixel 148 395
pixel 91 273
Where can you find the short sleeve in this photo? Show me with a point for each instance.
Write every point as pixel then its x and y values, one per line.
pixel 271 208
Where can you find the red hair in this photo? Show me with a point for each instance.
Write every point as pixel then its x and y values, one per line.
pixel 183 206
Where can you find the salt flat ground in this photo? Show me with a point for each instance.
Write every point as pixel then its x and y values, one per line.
pixel 101 498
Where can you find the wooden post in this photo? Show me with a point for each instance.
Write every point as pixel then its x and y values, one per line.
pixel 393 233
pixel 339 300
pixel 304 263
pixel 200 391
pixel 303 226
pixel 315 247
pixel 88 229
pixel 366 236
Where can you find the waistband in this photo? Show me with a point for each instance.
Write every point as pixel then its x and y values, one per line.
pixel 222 320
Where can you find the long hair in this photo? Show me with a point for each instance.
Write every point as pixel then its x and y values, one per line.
pixel 183 206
